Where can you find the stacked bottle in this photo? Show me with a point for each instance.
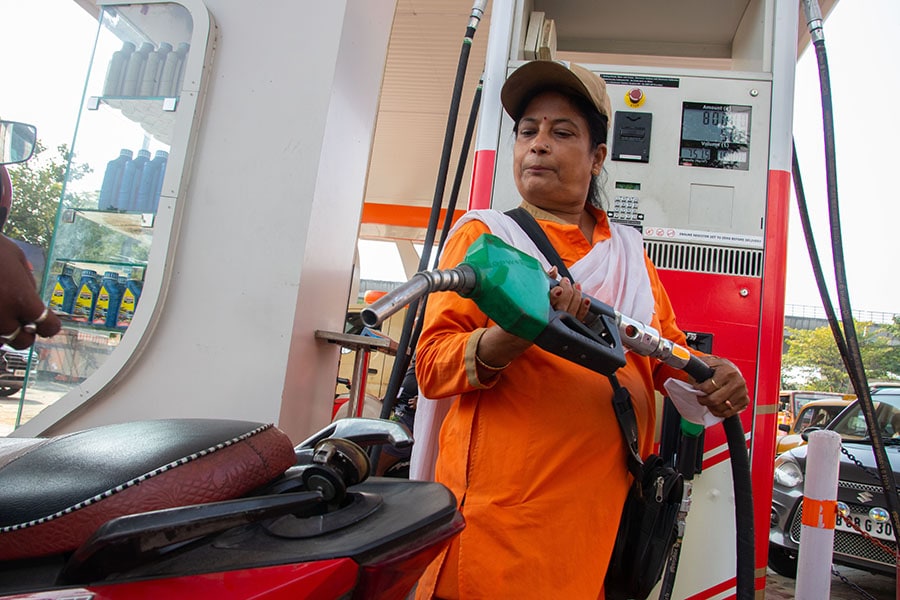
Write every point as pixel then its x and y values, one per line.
pixel 147 71
pixel 131 179
pixel 109 299
pixel 63 297
pixel 150 186
pixel 86 299
pixel 115 73
pixel 170 78
pixel 153 69
pixel 112 181
pixel 133 184
pixel 130 297
pixel 134 70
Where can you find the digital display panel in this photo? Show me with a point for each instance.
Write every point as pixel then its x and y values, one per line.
pixel 715 136
pixel 701 154
pixel 627 185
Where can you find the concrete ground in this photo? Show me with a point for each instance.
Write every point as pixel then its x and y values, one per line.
pixel 38 397
pixel 867 586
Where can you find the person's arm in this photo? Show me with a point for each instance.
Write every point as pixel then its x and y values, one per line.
pixel 453 327
pixel 23 316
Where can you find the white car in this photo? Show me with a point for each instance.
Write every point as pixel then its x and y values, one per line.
pixel 13 366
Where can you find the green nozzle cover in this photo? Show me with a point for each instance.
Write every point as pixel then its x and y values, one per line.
pixel 512 286
pixel 691 429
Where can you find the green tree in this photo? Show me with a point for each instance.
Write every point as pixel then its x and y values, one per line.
pixel 37 188
pixel 812 360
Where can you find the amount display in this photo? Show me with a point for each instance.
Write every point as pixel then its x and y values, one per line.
pixel 715 135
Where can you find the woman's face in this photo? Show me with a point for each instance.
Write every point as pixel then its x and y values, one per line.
pixel 553 159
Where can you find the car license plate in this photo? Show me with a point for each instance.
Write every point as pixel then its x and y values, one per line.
pixel 882 531
pixel 19 373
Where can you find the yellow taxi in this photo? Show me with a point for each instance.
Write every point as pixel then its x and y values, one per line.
pixel 815 413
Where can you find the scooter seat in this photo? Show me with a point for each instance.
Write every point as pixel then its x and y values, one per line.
pixel 56 491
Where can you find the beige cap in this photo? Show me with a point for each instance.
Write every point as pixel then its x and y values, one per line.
pixel 554 74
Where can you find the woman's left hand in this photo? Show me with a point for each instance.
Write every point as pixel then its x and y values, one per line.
pixel 568 297
pixel 726 391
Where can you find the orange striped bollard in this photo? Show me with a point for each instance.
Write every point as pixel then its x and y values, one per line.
pixel 819 516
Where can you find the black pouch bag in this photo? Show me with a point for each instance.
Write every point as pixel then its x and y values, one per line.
pixel 647 531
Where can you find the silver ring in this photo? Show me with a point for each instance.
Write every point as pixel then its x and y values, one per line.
pixel 32 327
pixel 8 339
pixel 43 316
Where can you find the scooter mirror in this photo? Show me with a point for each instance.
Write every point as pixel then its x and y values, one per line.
pixel 17 141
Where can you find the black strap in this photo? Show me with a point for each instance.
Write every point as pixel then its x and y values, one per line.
pixel 530 226
pixel 624 409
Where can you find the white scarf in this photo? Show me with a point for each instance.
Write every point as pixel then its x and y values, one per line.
pixel 613 271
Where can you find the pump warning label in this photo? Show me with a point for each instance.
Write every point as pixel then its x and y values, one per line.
pixel 640 80
pixel 671 234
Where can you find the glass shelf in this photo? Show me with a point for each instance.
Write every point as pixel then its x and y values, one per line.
pixel 138 226
pixel 156 115
pixel 141 101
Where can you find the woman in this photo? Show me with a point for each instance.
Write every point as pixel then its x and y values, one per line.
pixel 532 448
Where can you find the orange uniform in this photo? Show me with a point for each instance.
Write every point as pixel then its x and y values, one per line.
pixel 535 457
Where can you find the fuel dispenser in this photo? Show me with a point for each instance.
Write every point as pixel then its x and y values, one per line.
pixel 699 162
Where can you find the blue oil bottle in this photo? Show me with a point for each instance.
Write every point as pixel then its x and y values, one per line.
pixel 109 298
pixel 150 187
pixel 86 299
pixel 63 297
pixel 131 180
pixel 129 302
pixel 112 181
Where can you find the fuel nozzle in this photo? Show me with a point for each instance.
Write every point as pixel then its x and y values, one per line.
pixel 461 279
pixel 647 341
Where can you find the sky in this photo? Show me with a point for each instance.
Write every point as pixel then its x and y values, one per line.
pixel 48 47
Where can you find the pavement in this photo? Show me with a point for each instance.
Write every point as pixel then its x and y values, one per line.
pixel 858 585
pixel 38 397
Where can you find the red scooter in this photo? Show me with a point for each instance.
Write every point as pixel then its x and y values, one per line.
pixel 197 508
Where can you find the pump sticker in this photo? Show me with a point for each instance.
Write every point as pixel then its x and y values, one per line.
pixel 640 80
pixel 671 234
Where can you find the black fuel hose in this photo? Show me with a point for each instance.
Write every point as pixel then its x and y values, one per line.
pixel 853 359
pixel 743 507
pixel 412 320
pixel 743 500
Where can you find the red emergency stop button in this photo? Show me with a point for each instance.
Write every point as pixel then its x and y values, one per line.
pixel 635 97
